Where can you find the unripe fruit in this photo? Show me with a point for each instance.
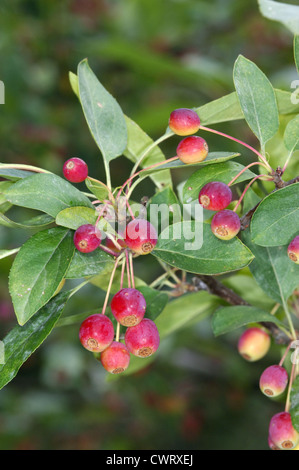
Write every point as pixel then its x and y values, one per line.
pixel 226 224
pixel 192 149
pixel 116 358
pixel 128 306
pixel 293 250
pixel 254 344
pixel 282 433
pixel 141 236
pixel 184 121
pixel 75 170
pixel 143 339
pixel 96 333
pixel 274 381
pixel 215 196
pixel 86 239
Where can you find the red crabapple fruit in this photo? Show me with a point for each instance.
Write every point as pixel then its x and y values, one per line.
pixel 121 242
pixel 116 358
pixel 143 339
pixel 282 433
pixel 226 224
pixel 128 306
pixel 192 149
pixel 254 344
pixel 86 239
pixel 215 196
pixel 75 170
pixel 184 121
pixel 293 250
pixel 96 333
pixel 141 236
pixel 274 381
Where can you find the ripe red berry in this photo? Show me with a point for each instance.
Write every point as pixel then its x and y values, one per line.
pixel 141 236
pixel 254 344
pixel 116 358
pixel 86 239
pixel 282 433
pixel 192 149
pixel 226 224
pixel 75 170
pixel 293 250
pixel 215 196
pixel 128 306
pixel 184 121
pixel 274 381
pixel 143 339
pixel 96 333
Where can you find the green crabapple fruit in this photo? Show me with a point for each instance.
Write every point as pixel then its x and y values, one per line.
pixel 282 433
pixel 226 224
pixel 87 238
pixel 75 170
pixel 96 332
pixel 143 339
pixel 141 236
pixel 254 344
pixel 184 121
pixel 293 250
pixel 128 306
pixel 192 149
pixel 215 196
pixel 274 381
pixel 116 358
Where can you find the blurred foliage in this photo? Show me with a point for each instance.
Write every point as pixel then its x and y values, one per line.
pixel 153 57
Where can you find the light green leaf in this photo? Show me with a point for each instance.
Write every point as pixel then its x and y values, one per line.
pixel 74 217
pixel 103 114
pixel 227 319
pixel 6 253
pixel 284 13
pixel 291 136
pixel 257 99
pixel 89 264
pixel 22 341
pixel 38 269
pixel 98 189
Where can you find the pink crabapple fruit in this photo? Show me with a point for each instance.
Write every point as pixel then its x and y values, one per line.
pixel 254 344
pixel 116 358
pixel 215 196
pixel 184 121
pixel 75 170
pixel 274 381
pixel 140 236
pixel 293 250
pixel 128 306
pixel 192 149
pixel 86 238
pixel 143 339
pixel 271 445
pixel 96 333
pixel 282 433
pixel 226 224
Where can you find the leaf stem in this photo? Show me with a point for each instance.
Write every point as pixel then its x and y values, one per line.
pixel 244 169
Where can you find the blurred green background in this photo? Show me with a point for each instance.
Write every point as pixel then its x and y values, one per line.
pixel 153 56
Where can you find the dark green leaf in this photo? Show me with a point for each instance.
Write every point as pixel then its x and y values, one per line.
pixel 21 342
pixel 156 301
pixel 89 264
pixel 38 269
pixel 14 175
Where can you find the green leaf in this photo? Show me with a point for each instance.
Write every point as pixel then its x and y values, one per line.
pixel 98 189
pixel 296 51
pixel 47 193
pixel 102 113
pixel 89 264
pixel 138 142
pixel 227 319
pixel 291 136
pixel 41 221
pixel 161 199
pixel 156 301
pixel 214 257
pixel 223 172
pixel 38 269
pixel 14 175
pixel 284 13
pixel 294 410
pixel 73 78
pixel 6 253
pixel 257 99
pixel 274 272
pixel 276 220
pixel 21 342
pixel 74 217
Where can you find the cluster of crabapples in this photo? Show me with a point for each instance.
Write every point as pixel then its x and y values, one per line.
pixel 253 345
